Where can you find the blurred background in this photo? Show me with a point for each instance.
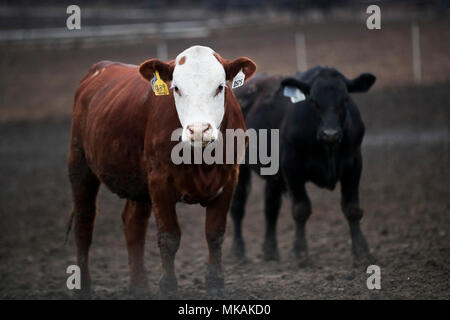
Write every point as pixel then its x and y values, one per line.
pixel 404 188
pixel 41 56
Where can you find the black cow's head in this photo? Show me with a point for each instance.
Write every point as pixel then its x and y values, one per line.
pixel 328 95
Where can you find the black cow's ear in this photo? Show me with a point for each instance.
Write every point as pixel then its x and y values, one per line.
pixel 362 83
pixel 292 82
pixel 165 69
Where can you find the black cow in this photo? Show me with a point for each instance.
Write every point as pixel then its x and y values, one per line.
pixel 320 141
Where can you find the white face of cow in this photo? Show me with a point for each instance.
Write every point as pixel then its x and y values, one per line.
pixel 199 86
pixel 199 78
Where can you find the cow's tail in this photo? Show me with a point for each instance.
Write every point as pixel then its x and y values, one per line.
pixel 69 226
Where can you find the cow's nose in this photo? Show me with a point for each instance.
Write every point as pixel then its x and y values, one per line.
pixel 200 132
pixel 330 135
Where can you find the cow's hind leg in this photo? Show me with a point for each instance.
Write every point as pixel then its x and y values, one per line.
pixel 353 213
pixel 238 210
pixel 272 202
pixel 135 218
pixel 85 187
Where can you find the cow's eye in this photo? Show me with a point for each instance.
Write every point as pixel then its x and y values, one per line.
pixel 219 90
pixel 177 90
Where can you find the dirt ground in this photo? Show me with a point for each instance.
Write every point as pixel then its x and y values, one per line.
pixel 404 188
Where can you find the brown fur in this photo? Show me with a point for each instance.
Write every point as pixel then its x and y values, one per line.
pixel 182 60
pixel 121 138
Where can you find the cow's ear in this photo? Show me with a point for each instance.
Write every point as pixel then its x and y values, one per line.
pixel 362 83
pixel 292 82
pixel 232 67
pixel 165 69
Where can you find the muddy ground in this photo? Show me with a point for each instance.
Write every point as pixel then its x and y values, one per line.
pixel 404 188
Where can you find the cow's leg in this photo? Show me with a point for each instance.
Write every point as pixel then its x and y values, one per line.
pixel 301 210
pixel 85 187
pixel 216 218
pixel 169 232
pixel 353 212
pixel 238 210
pixel 272 202
pixel 135 218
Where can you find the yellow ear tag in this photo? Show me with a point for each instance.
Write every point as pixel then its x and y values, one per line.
pixel 159 87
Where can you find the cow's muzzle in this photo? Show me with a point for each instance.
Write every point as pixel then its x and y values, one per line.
pixel 330 135
pixel 200 132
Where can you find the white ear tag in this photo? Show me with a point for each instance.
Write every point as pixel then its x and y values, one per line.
pixel 294 93
pixel 238 80
pixel 152 82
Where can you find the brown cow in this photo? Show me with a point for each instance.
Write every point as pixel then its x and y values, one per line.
pixel 121 137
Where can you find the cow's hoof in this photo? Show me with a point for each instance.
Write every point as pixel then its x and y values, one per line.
pixel 238 250
pixel 139 290
pixel 215 287
pixel 270 251
pixel 214 281
pixel 215 293
pixel 302 259
pixel 304 263
pixel 363 260
pixel 361 253
pixel 168 286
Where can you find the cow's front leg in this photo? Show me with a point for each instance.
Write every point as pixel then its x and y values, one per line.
pixel 238 210
pixel 295 178
pixel 272 203
pixel 169 234
pixel 353 213
pixel 216 219
pixel 301 210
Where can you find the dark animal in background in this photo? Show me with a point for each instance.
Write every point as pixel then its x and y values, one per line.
pixel 320 141
pixel 121 137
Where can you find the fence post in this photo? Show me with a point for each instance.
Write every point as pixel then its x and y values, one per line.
pixel 161 51
pixel 300 50
pixel 415 39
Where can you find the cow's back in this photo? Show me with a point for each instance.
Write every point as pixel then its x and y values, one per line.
pixel 109 124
